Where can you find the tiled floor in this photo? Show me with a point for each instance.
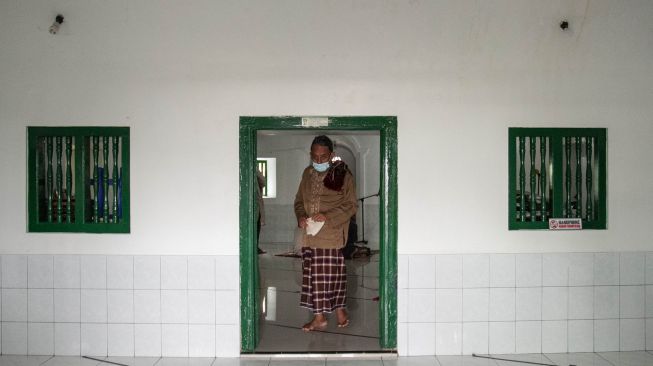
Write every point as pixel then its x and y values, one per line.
pixel 578 359
pixel 283 318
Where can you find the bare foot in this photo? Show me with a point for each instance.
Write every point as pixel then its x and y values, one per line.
pixel 319 322
pixel 343 317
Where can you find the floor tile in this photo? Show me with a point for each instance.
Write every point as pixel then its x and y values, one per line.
pixel 133 361
pixel 13 360
pixel 628 358
pixel 529 357
pixel 72 361
pixel 412 361
pixel 350 362
pixel 291 339
pixel 240 362
pixel 563 359
pixel 281 329
pixel 465 361
pixel 578 359
pixel 355 356
pixel 183 361
pixel 298 362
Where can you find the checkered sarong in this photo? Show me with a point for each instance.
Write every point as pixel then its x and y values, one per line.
pixel 324 284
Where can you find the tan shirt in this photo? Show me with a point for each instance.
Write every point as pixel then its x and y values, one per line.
pixel 338 207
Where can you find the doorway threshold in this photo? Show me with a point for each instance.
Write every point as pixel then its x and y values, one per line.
pixel 366 355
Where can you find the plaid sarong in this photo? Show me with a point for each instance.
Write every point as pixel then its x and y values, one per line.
pixel 324 283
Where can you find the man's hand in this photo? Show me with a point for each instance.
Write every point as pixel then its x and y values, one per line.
pixel 302 222
pixel 319 217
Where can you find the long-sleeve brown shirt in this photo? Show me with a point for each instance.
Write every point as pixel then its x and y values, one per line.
pixel 338 207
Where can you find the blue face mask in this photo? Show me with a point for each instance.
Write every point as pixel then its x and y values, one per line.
pixel 321 167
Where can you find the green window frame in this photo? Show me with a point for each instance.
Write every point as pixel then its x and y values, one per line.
pixel 78 179
pixel 565 168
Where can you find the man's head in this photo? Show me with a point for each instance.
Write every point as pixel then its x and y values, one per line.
pixel 321 149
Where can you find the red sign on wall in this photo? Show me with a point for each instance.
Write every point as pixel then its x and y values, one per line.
pixel 565 224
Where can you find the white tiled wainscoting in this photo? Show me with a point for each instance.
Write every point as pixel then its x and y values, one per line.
pixel 170 306
pixel 180 306
pixel 525 303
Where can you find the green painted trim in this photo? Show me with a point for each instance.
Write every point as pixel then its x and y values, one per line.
pixel 557 155
pixel 126 183
pixel 32 181
pixel 98 228
pixel 557 132
pixel 80 189
pixel 79 134
pixel 249 323
pixel 388 243
pixel 78 131
pixel 603 179
pixel 387 125
pixel 556 136
pixel 335 123
pixel 512 177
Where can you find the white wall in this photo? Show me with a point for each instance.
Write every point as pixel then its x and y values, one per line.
pixel 455 73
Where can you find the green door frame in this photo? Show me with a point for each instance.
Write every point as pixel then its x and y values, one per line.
pixel 249 284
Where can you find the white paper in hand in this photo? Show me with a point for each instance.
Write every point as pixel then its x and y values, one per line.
pixel 313 227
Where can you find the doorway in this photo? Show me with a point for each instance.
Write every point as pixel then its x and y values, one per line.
pixel 251 299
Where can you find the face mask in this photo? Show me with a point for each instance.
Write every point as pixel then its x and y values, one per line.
pixel 321 167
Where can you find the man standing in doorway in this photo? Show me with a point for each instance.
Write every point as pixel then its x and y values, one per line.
pixel 325 201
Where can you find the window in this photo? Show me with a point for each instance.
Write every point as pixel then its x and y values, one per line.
pixel 557 173
pixel 78 179
pixel 268 168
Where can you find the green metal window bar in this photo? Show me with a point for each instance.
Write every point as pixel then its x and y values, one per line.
pixel 556 173
pixel 78 179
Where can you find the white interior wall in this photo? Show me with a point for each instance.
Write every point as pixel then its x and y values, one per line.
pixel 457 74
